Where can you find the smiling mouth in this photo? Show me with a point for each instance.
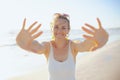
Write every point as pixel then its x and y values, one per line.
pixel 60 35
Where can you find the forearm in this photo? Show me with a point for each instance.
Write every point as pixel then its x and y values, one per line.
pixel 89 45
pixel 34 46
pixel 85 46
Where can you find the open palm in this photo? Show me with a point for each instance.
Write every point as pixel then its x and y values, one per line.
pixel 98 35
pixel 26 36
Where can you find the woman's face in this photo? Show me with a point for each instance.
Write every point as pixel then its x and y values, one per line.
pixel 60 28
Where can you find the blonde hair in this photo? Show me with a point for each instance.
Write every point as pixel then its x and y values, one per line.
pixel 60 16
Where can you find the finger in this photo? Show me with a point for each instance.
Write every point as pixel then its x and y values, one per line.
pixel 31 26
pixel 87 30
pixel 37 35
pixel 24 22
pixel 88 37
pixel 90 26
pixel 99 23
pixel 91 38
pixel 34 30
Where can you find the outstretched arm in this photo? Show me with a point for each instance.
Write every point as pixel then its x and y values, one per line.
pixel 96 38
pixel 26 38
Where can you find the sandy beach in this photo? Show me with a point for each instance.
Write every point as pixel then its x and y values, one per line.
pixel 40 74
pixel 102 64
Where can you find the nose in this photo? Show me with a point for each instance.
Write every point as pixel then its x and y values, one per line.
pixel 60 29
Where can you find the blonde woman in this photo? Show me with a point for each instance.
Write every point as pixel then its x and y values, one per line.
pixel 60 51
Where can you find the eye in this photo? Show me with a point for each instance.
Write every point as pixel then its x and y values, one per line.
pixel 55 27
pixel 64 28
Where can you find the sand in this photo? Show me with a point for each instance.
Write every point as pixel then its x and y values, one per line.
pixel 40 74
pixel 102 64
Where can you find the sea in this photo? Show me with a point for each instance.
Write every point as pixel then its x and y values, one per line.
pixel 15 61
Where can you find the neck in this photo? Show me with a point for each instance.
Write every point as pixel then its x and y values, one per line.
pixel 61 43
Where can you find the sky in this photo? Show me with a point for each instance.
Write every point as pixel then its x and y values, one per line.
pixel 12 12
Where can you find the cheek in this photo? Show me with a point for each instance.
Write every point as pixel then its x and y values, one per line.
pixel 67 32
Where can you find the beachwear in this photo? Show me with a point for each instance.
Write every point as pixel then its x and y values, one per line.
pixel 61 70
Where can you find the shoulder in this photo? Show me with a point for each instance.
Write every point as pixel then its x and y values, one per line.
pixel 47 45
pixel 74 44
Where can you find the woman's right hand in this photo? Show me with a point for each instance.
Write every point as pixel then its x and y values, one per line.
pixel 26 36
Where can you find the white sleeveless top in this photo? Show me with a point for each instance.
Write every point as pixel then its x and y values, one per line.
pixel 61 70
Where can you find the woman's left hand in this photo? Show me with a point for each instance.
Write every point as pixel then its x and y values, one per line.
pixel 100 36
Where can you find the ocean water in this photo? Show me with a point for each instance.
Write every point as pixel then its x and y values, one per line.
pixel 15 61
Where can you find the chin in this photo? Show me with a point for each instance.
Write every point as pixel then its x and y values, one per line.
pixel 60 37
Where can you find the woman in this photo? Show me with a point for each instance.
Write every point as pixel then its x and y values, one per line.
pixel 61 52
